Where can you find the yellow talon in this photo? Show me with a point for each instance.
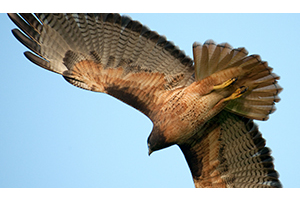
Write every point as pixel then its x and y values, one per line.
pixel 225 84
pixel 238 93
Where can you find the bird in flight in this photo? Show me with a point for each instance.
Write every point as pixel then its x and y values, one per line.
pixel 206 106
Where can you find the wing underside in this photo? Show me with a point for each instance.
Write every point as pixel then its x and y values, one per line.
pixel 106 53
pixel 230 152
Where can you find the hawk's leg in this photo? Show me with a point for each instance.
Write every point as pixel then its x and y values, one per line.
pixel 238 93
pixel 225 84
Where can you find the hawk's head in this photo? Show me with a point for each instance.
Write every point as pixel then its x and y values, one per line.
pixel 157 140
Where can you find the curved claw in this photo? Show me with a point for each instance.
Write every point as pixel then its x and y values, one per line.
pixel 238 93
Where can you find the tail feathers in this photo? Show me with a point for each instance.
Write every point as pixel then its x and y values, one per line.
pixel 259 101
pixel 224 62
pixel 210 57
pixel 256 104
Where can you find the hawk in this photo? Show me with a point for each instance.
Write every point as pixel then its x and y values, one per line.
pixel 206 106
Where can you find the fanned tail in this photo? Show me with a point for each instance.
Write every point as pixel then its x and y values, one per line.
pixel 250 72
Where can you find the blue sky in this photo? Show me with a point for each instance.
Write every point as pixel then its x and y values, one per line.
pixel 53 134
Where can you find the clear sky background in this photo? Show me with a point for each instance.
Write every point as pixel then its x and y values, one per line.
pixel 53 134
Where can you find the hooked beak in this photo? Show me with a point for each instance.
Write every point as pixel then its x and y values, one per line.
pixel 149 151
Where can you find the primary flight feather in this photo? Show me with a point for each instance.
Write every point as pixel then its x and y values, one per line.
pixel 205 106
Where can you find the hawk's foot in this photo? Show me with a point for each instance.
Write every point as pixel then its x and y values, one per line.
pixel 238 93
pixel 225 84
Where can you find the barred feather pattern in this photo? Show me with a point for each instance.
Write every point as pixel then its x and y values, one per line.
pixel 119 37
pixel 62 41
pixel 230 153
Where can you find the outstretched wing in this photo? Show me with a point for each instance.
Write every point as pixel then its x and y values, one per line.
pixel 105 53
pixel 230 152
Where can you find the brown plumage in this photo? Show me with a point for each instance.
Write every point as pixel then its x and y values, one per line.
pixel 206 108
